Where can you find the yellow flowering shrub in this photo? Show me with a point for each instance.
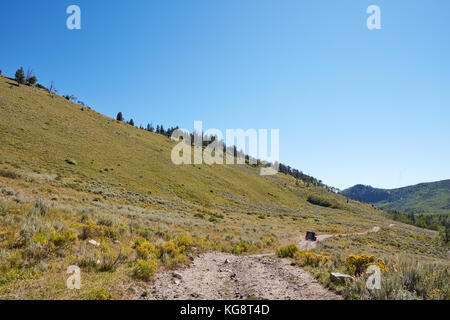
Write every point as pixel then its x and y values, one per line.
pixel 144 249
pixel 182 239
pixel 71 235
pixel 358 264
pixel 240 248
pixel 99 294
pixel 381 264
pixel 40 238
pixel 287 251
pixel 268 241
pixel 57 239
pixel 16 211
pixel 145 269
pixel 89 230
pixel 173 252
pixel 243 247
pixel 309 258
pixel 172 255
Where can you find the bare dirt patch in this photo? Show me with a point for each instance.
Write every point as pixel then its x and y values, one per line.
pixel 221 276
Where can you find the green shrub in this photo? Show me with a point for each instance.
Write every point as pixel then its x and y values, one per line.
pixel 320 201
pixel 90 230
pixel 172 255
pixel 358 264
pixel 407 279
pixel 15 259
pixel 111 261
pixel 40 238
pixel 39 208
pixel 107 220
pixel 173 252
pixel 111 233
pixel 88 257
pixel 145 269
pixel 9 174
pixel 27 231
pixel 287 251
pixel 71 162
pixel 183 240
pixel 309 258
pixel 35 252
pixel 144 249
pixel 240 248
pixel 71 235
pixel 32 80
pixel 99 294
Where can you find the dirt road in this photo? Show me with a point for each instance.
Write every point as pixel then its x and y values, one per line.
pixel 222 276
pixel 309 245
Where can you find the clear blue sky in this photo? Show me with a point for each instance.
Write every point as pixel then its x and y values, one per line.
pixel 352 105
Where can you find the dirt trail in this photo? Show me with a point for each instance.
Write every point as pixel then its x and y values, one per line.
pixel 309 245
pixel 222 276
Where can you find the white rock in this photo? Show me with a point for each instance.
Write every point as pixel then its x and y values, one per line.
pixel 93 242
pixel 339 277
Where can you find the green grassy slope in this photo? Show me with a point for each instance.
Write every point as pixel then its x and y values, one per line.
pixel 39 133
pixel 118 164
pixel 124 188
pixel 433 197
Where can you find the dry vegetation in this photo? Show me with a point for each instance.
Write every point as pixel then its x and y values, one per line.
pixel 69 175
pixel 413 265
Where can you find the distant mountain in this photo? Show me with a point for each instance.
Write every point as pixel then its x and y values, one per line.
pixel 433 197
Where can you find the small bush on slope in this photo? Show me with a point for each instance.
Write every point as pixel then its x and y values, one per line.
pixel 321 201
pixel 287 252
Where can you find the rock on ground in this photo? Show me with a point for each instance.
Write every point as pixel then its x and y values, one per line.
pixel 340 277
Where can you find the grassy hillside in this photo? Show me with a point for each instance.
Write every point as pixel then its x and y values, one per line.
pixel 116 162
pixel 69 175
pixel 431 197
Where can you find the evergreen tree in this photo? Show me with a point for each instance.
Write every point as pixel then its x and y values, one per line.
pixel 131 122
pixel 20 76
pixel 150 127
pixel 119 117
pixel 32 80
